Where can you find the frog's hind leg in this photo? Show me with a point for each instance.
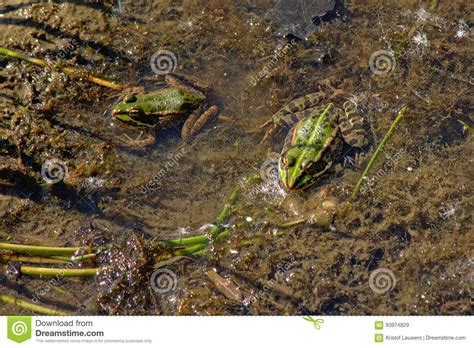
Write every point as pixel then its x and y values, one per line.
pixel 303 103
pixel 352 126
pixel 197 121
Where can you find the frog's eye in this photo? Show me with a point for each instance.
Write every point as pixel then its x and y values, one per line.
pixel 289 161
pixel 131 98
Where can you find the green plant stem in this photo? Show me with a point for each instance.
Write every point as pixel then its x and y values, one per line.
pixel 61 272
pixel 190 250
pixel 31 306
pixel 434 5
pixel 183 242
pixel 224 214
pixel 292 223
pixel 75 258
pixel 15 258
pixel 68 71
pixel 43 250
pixel 377 151
pixel 222 235
pixel 214 233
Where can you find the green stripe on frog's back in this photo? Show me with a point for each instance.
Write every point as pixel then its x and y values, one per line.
pixel 168 100
pixel 163 107
pixel 318 137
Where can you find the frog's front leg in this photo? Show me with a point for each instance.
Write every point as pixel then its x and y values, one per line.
pixel 197 121
pixel 143 139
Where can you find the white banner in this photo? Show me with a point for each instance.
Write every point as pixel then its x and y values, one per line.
pixel 356 331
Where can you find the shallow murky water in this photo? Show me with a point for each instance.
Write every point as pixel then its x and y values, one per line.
pixel 403 246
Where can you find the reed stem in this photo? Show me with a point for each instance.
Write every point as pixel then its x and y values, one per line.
pixel 377 151
pixel 43 250
pixel 31 306
pixel 61 272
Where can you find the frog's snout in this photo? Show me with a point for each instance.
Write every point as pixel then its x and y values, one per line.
pixel 289 182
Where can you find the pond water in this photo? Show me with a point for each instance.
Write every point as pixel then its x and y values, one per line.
pixel 402 246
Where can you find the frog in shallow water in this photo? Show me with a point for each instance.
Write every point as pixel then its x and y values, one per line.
pixel 177 105
pixel 315 140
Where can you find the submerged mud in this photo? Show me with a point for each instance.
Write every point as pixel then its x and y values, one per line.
pixel 402 246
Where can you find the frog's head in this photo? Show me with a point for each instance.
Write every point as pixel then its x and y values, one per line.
pixel 300 167
pixel 129 110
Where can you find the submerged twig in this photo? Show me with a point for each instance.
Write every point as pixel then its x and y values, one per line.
pixel 68 71
pixel 226 286
pixel 378 150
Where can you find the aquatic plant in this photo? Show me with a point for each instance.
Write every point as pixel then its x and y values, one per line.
pixel 377 151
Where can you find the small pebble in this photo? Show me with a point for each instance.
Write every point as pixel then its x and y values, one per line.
pixel 409 169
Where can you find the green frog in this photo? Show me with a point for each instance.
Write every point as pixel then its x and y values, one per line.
pixel 315 140
pixel 178 104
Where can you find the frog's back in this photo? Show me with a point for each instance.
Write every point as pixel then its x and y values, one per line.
pixel 170 100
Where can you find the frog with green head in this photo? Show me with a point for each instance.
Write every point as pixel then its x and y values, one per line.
pixel 176 105
pixel 315 140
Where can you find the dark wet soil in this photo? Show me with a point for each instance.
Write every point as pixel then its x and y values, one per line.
pixel 412 218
